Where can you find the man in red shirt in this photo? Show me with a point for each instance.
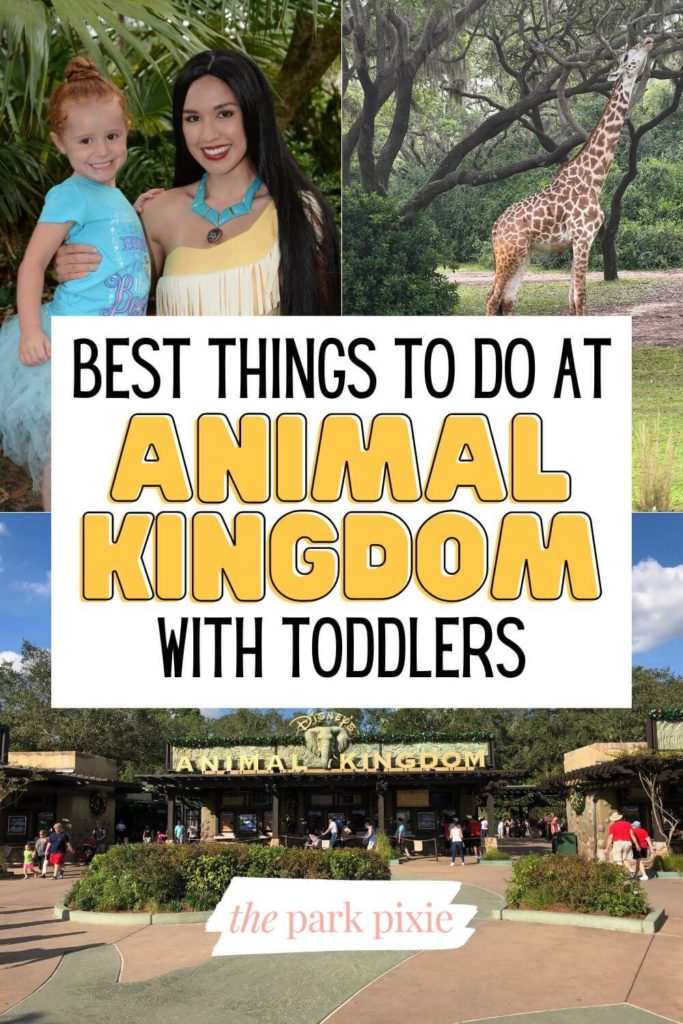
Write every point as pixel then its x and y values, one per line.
pixel 474 835
pixel 619 841
pixel 642 848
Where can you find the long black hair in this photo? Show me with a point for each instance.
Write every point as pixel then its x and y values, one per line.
pixel 309 253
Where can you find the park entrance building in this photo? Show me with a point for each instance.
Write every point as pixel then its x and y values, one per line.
pixel 291 785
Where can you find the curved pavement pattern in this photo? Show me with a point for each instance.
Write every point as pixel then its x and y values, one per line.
pixel 510 973
pixel 280 989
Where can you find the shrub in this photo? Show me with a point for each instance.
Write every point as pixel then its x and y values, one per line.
pixel 653 246
pixel 669 862
pixel 154 878
pixel 496 855
pixel 571 883
pixel 383 847
pixel 390 268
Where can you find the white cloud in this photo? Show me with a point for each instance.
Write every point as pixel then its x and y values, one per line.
pixel 657 604
pixel 3 529
pixel 35 589
pixel 211 712
pixel 12 657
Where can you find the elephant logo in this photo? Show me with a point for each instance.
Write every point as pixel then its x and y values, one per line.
pixel 326 743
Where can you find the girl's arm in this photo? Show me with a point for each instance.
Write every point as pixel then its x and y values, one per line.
pixel 151 224
pixel 34 345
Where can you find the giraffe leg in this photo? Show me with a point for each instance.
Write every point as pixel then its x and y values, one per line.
pixel 577 296
pixel 517 272
pixel 495 296
pixel 511 264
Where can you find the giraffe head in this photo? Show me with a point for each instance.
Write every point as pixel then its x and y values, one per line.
pixel 632 63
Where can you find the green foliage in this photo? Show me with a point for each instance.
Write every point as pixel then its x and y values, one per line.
pixel 496 855
pixel 391 268
pixel 657 376
pixel 652 246
pixel 194 877
pixel 571 883
pixel 656 463
pixel 671 862
pixel 383 847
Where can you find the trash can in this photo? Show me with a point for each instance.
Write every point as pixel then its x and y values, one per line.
pixel 567 844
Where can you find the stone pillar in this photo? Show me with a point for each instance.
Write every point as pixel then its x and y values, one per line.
pixel 381 789
pixel 491 815
pixel 170 817
pixel 276 813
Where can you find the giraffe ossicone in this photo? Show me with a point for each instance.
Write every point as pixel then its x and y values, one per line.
pixel 567 214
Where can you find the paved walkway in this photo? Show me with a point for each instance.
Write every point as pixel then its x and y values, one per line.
pixel 51 971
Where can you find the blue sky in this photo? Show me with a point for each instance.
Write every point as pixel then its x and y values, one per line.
pixel 24 580
pixel 658 590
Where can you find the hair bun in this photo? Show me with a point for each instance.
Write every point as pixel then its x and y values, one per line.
pixel 79 68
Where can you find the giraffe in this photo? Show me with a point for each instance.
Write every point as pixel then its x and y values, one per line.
pixel 568 212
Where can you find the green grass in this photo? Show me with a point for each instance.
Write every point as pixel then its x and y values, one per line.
pixel 657 389
pixel 552 298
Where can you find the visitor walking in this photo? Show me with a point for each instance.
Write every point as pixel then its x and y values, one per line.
pixel 58 843
pixel 179 832
pixel 29 858
pixel 370 837
pixel 400 837
pixel 40 860
pixel 99 834
pixel 332 831
pixel 642 848
pixel 457 843
pixel 620 841
pixel 474 834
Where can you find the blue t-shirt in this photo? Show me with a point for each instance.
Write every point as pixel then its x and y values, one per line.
pixel 102 217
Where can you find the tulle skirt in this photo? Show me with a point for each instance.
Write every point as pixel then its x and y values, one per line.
pixel 24 403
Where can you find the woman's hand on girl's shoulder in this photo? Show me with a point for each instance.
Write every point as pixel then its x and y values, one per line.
pixel 146 197
pixel 34 348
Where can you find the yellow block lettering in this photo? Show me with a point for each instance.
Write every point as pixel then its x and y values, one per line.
pixel 522 554
pixel 389 455
pixel 377 556
pixel 219 556
pixel 227 458
pixel 106 558
pixel 459 535
pixel 528 480
pixel 465 456
pixel 151 456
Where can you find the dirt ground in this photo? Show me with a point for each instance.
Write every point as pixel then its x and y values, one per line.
pixel 658 321
pixel 16 493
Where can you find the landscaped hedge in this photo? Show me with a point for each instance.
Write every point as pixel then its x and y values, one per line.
pixel 571 883
pixel 194 877
pixel 669 862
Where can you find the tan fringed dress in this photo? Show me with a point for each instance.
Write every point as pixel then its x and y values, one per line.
pixel 235 278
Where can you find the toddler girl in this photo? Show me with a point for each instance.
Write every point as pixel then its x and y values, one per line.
pixel 29 854
pixel 89 121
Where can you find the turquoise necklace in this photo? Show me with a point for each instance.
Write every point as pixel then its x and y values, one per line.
pixel 218 217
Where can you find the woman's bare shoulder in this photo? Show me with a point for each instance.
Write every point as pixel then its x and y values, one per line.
pixel 168 203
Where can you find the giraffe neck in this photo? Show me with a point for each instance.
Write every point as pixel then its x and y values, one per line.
pixel 594 160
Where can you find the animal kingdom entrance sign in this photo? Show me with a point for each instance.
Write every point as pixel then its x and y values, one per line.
pixel 293 761
pixel 333 516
